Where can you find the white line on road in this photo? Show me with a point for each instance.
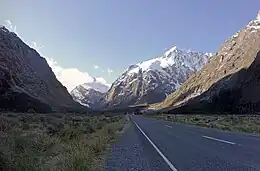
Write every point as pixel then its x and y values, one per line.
pixel 156 148
pixel 228 142
pixel 168 126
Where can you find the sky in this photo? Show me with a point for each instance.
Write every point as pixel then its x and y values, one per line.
pixel 82 39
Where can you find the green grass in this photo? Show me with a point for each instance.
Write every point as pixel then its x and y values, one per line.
pixel 236 123
pixel 48 142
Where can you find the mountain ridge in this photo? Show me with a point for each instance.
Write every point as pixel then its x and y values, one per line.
pixel 152 80
pixel 27 82
pixel 226 73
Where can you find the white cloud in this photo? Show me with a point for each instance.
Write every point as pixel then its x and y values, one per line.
pixel 10 26
pixel 72 77
pixel 109 71
pixel 96 66
pixel 36 46
pixel 102 80
pixel 69 77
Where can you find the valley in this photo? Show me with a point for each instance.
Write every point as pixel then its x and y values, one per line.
pixel 180 110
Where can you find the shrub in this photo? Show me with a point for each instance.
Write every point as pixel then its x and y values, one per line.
pixel 46 142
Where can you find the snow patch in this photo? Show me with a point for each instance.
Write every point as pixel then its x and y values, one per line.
pixel 172 57
pixel 132 81
pixel 87 105
pixel 177 85
pixel 170 51
pixel 103 88
pixel 258 16
pixel 77 94
pixel 134 71
pixel 254 24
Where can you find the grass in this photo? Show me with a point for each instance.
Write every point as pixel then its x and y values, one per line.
pixel 236 123
pixel 48 142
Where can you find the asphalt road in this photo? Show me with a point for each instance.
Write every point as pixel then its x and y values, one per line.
pixel 151 144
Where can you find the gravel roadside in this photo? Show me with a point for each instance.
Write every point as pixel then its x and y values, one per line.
pixel 134 153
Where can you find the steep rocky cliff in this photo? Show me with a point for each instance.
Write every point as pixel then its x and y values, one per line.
pixel 230 82
pixel 27 83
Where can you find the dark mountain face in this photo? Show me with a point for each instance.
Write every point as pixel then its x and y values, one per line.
pixel 26 80
pixel 229 82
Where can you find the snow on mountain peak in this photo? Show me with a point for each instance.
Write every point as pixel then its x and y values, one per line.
pixel 254 25
pixel 173 56
pixel 170 51
pixel 96 86
pixel 152 80
pixel 258 16
pixel 90 93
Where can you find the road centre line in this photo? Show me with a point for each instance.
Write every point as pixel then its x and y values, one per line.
pixel 216 139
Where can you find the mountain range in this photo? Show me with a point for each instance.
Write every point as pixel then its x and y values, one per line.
pixel 228 83
pixel 151 81
pixel 179 81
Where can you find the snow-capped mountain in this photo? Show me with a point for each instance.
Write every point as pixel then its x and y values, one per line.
pixel 89 94
pixel 151 81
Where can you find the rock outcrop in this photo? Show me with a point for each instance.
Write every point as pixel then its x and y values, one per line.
pixel 230 82
pixel 27 83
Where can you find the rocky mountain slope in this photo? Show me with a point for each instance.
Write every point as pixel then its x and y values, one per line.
pixel 230 82
pixel 27 83
pixel 151 81
pixel 89 94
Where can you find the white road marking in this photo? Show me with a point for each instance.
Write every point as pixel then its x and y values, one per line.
pixel 228 142
pixel 168 126
pixel 156 148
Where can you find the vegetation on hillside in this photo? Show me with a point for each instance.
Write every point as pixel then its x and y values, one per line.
pixel 62 142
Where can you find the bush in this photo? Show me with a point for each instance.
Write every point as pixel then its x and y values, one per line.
pixel 46 142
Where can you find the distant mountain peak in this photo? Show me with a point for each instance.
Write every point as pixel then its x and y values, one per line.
pixel 254 25
pixel 174 48
pixel 152 80
pixel 89 94
pixel 173 57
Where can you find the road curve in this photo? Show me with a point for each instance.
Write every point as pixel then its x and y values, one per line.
pixel 151 144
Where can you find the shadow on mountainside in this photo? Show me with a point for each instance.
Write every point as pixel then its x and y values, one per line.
pixel 234 94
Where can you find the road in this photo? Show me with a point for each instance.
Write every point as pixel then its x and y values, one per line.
pixel 151 144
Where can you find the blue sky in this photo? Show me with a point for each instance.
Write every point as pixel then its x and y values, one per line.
pixel 112 35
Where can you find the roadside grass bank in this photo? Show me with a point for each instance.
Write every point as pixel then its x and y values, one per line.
pixel 235 123
pixel 48 142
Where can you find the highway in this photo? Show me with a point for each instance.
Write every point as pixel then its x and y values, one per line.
pixel 151 144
